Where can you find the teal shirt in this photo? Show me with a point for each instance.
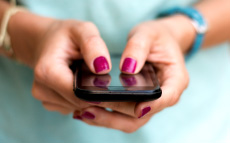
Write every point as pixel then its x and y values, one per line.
pixel 201 116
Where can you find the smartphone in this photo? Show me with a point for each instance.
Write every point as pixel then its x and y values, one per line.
pixel 116 86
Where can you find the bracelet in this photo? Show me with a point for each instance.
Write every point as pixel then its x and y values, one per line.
pixel 198 23
pixel 4 36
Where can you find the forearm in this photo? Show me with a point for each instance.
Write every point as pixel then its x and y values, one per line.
pixel 215 12
pixel 3 7
pixel 217 15
pixel 25 30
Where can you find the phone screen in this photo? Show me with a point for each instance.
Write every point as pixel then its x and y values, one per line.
pixel 115 80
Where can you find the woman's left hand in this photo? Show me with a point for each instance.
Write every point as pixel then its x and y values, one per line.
pixel 161 43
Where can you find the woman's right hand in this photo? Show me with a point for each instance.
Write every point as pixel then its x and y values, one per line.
pixel 49 46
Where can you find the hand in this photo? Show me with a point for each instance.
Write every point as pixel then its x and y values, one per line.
pixel 49 47
pixel 64 42
pixel 152 41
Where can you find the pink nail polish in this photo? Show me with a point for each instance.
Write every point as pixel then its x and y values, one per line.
pixel 88 115
pixel 145 111
pixel 100 64
pixel 129 65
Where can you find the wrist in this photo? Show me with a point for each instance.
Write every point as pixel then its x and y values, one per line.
pixel 3 7
pixel 26 30
pixel 182 30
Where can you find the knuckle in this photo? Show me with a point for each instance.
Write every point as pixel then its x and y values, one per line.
pixel 40 73
pixel 136 44
pixel 71 22
pixel 34 89
pixel 45 74
pixel 37 93
pixel 61 110
pixel 130 129
pixel 92 41
pixel 187 79
pixel 87 25
pixel 174 98
pixel 47 107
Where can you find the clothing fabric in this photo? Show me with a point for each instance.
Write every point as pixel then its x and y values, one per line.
pixel 202 115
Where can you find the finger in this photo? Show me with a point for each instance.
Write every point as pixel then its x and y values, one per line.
pixel 92 48
pixel 45 94
pixel 175 80
pixel 100 117
pixel 127 108
pixel 59 78
pixel 58 108
pixel 135 53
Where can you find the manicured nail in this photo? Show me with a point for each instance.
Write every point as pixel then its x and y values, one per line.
pixel 77 117
pixel 129 65
pixel 88 115
pixel 100 83
pixel 100 64
pixel 145 111
pixel 129 80
pixel 93 102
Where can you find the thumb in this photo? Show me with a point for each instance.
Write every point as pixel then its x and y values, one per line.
pixel 135 54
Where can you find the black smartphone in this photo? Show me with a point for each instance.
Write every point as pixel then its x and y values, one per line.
pixel 116 86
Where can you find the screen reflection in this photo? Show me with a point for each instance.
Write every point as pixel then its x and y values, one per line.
pixel 116 78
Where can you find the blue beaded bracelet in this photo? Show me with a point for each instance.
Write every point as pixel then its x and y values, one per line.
pixel 198 22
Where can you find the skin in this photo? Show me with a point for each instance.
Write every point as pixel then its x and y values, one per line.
pixel 50 45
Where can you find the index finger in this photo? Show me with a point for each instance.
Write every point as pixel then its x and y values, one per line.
pixel 92 47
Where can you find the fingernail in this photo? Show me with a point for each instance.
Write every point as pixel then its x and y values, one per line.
pixel 93 102
pixel 129 81
pixel 88 115
pixel 129 65
pixel 100 64
pixel 77 117
pixel 145 111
